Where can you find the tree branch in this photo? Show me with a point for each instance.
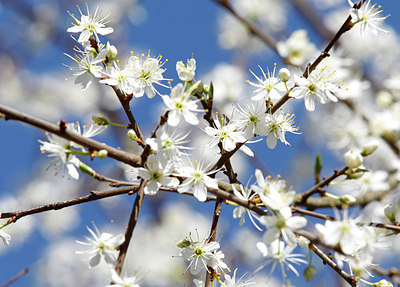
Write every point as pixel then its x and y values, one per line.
pixel 11 114
pixel 130 227
pixel 94 195
pixel 15 278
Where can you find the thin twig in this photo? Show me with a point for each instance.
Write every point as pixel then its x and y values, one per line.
pixel 130 227
pixel 94 195
pixel 15 278
pixel 133 123
pixel 114 153
pixel 325 258
pixel 113 182
pixel 318 187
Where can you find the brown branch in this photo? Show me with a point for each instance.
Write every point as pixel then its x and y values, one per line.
pixel 113 182
pixel 15 278
pixel 147 149
pixel 130 227
pixel 114 153
pixel 94 195
pixel 325 258
pixel 124 100
pixel 318 187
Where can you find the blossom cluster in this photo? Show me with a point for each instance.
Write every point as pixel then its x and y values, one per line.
pixel 192 162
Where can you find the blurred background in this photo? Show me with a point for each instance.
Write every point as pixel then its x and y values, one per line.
pixel 34 79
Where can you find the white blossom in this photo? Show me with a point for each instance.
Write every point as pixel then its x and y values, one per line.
pixel 201 254
pixel 197 178
pixel 90 24
pixel 282 224
pixel 297 49
pixel 344 232
pixel 5 237
pixel 272 192
pixel 278 124
pixel 368 17
pixel 231 281
pixel 270 87
pixel 252 119
pixel 59 148
pixel 103 245
pixel 86 67
pixel 240 211
pixel 122 79
pixel 318 85
pixel 226 133
pixel 128 281
pixel 278 253
pixel 186 72
pixel 168 142
pixel 145 71
pixel 156 171
pixel 180 105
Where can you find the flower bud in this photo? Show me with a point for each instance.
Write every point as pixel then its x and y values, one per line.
pixel 183 243
pixel 100 120
pixel 111 52
pixel 284 74
pixel 370 148
pixel 303 242
pixel 353 159
pixel 309 272
pixel 390 212
pixel 356 173
pixel 102 153
pixel 132 135
pixel 186 72
pixel 86 169
pixel 384 99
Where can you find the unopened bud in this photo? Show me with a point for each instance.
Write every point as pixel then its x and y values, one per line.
pixel 304 242
pixel 384 99
pixel 309 272
pixel 284 74
pixel 111 52
pixel 132 135
pixel 370 148
pixel 100 120
pixel 102 153
pixel 183 243
pixel 390 212
pixel 356 173
pixel 353 159
pixel 86 169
